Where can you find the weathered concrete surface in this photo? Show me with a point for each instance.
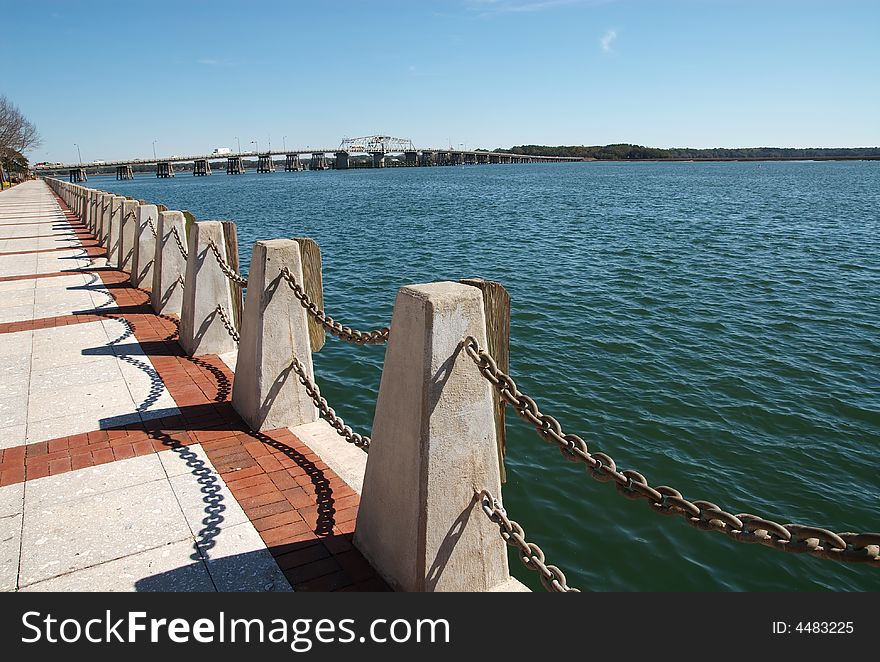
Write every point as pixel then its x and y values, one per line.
pixel 166 296
pixel 420 523
pixel 127 232
pixel 266 392
pixel 113 237
pixel 201 327
pixel 104 218
pixel 144 246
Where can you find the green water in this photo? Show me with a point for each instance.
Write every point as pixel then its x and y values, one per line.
pixel 715 326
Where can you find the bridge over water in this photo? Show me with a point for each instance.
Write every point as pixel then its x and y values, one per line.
pixel 367 151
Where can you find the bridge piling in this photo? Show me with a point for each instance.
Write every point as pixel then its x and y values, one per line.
pixel 234 166
pixel 201 168
pixel 292 163
pixel 164 169
pixel 206 287
pixel 433 448
pixel 319 161
pixel 274 328
pixel 169 265
pixel 265 163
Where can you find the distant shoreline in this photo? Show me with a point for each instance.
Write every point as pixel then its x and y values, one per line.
pixel 737 158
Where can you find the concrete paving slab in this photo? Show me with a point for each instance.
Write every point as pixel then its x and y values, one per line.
pixel 18 265
pixel 17 298
pixel 238 560
pixel 10 551
pixel 79 374
pixel 184 460
pixel 121 523
pixel 103 400
pixel 14 435
pixel 16 344
pixel 72 280
pixel 62 426
pixel 13 411
pixel 91 481
pixel 20 313
pixel 167 569
pixel 206 502
pixel 11 500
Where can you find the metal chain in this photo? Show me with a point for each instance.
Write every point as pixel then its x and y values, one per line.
pixel 326 410
pixel 181 281
pixel 179 241
pixel 230 328
pixel 705 515
pixel 152 227
pixel 532 556
pixel 375 337
pixel 227 270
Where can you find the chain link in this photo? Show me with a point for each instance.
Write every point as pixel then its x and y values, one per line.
pixel 179 241
pixel 152 227
pixel 227 270
pixel 532 556
pixel 326 410
pixel 181 281
pixel 230 327
pixel 376 337
pixel 705 515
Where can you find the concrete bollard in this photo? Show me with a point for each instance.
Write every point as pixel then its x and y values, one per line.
pixel 86 207
pixel 201 327
pixel 420 522
pixel 106 200
pixel 113 237
pixel 266 393
pixel 127 227
pixel 169 265
pixel 144 246
pixel 93 214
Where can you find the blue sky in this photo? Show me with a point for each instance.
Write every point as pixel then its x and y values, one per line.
pixel 114 76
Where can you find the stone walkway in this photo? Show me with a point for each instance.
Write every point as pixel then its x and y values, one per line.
pixel 122 463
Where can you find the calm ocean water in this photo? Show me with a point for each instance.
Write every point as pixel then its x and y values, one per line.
pixel 715 326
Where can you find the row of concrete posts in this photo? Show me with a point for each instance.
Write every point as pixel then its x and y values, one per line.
pixel 434 437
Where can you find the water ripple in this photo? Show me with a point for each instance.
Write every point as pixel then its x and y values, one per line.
pixel 715 325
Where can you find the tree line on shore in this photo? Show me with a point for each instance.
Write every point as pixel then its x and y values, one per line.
pixel 17 135
pixel 625 151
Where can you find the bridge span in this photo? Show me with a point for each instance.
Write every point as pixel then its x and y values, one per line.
pixel 365 152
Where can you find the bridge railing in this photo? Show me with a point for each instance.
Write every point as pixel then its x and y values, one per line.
pixel 431 499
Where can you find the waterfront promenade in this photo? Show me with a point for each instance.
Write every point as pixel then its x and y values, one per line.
pixel 122 463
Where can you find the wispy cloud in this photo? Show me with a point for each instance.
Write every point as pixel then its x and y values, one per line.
pixel 212 62
pixel 607 39
pixel 494 7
